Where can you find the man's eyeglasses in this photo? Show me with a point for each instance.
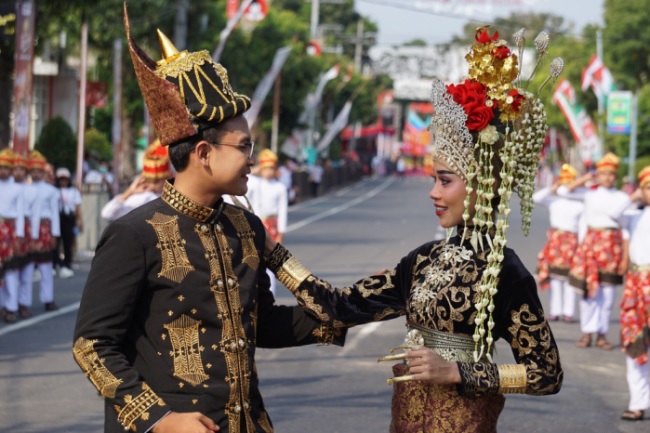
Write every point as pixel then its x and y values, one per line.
pixel 246 148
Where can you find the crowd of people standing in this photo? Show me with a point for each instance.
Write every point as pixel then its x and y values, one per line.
pixel 597 242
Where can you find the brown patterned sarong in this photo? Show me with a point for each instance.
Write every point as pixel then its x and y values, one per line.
pixel 635 315
pixel 597 260
pixel 555 258
pixel 421 407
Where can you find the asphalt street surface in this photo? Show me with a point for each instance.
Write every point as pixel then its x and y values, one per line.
pixel 342 237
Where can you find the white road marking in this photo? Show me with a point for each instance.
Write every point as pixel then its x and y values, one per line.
pixel 37 319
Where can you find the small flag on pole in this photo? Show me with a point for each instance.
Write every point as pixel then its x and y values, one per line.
pixel 599 78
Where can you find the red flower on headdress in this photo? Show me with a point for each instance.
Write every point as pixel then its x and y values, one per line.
pixel 501 52
pixel 482 36
pixel 517 99
pixel 472 96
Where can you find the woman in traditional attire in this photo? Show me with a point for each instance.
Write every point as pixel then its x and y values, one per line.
pixel 601 259
pixel 554 259
pixel 635 305
pixel 461 294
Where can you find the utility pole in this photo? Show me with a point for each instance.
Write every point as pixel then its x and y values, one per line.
pixel 315 12
pixel 116 132
pixel 601 105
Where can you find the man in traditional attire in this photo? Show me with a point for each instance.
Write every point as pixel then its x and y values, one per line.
pixel 12 226
pixel 147 186
pixel 601 259
pixel 177 299
pixel 23 246
pixel 45 228
pixel 635 305
pixel 268 198
pixel 562 240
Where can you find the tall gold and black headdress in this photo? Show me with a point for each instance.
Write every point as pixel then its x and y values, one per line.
pixel 184 92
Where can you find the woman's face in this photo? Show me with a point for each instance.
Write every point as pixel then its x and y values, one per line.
pixel 448 195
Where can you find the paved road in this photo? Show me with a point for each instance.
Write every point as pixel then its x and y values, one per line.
pixel 342 237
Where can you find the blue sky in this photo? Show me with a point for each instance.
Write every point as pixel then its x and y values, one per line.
pixel 399 24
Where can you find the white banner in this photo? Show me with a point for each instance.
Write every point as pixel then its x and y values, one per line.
pixel 265 85
pixel 336 126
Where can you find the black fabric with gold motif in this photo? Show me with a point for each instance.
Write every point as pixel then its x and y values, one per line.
pixel 436 288
pixel 176 303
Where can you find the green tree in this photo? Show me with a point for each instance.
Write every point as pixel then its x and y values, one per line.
pixel 97 144
pixel 57 143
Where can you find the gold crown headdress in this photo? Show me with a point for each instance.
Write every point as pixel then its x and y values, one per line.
pixel 491 132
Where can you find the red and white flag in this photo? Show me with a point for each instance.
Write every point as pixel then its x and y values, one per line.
pixel 598 77
pixel 582 127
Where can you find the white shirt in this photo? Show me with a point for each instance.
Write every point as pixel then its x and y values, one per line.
pixel 11 204
pixel 316 173
pixel 285 177
pixel 564 212
pixel 70 199
pixel 639 228
pixel 46 206
pixel 605 207
pixel 268 198
pixel 29 197
pixel 116 208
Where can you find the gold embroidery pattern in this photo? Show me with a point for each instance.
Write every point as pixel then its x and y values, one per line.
pixel 512 379
pixel 94 368
pixel 246 234
pixel 388 312
pixel 325 334
pixel 479 378
pixel 137 408
pixel 211 254
pixel 444 285
pixel 293 274
pixel 184 337
pixel 234 343
pixel 175 264
pixel 185 205
pixel 530 334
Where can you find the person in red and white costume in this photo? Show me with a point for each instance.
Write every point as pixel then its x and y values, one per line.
pixel 635 305
pixel 45 227
pixel 148 186
pixel 269 200
pixel 12 226
pixel 602 256
pixel 23 252
pixel 554 260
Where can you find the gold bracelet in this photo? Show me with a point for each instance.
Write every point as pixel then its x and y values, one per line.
pixel 512 379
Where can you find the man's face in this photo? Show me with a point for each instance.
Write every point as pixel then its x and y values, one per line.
pixel 229 162
pixel 5 172
pixel 20 173
pixel 37 174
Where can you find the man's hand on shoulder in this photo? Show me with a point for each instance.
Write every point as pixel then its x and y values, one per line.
pixel 181 422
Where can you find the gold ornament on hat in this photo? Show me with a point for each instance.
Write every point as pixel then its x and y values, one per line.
pixel 490 131
pixel 644 176
pixel 36 161
pixel 567 174
pixel 609 162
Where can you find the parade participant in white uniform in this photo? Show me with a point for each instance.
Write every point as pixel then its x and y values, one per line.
pixel 635 305
pixel 562 240
pixel 46 227
pixel 268 198
pixel 22 251
pixel 146 187
pixel 12 225
pixel 602 256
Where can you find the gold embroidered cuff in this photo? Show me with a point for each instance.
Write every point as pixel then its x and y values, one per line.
pixel 512 379
pixel 292 274
pixel 327 334
pixel 137 409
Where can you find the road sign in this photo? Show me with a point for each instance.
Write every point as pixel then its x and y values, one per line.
pixel 256 11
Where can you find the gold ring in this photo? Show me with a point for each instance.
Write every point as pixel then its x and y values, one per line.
pixel 396 357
